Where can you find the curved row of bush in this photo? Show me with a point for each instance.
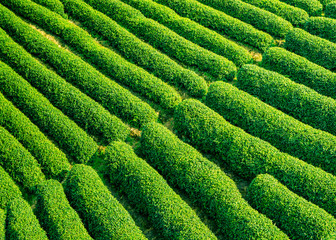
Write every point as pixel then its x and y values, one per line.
pixel 53 161
pixel 147 190
pixel 288 210
pixel 294 15
pixel 249 156
pixel 71 138
pixel 184 167
pixel 220 22
pixel 108 93
pixel 2 224
pixel 297 100
pixel 322 27
pixel 300 70
pixel 55 214
pixel 103 58
pixel 330 10
pixel 21 223
pixel 166 40
pixel 53 5
pixel 136 50
pixel 312 7
pixel 103 216
pixel 257 17
pixel 282 131
pixel 193 31
pixel 9 190
pixel 315 49
pixel 18 162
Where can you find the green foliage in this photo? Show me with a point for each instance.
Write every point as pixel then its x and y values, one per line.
pixel 42 113
pixel 193 31
pixel 147 190
pixel 136 50
pixel 9 190
pixel 21 223
pixel 55 214
pixel 315 49
pixel 261 120
pixel 322 27
pixel 297 100
pixel 330 10
pixel 312 7
pixel 249 156
pixel 326 2
pixel 53 5
pixel 103 58
pixel 18 162
pixel 299 218
pixel 220 22
pixel 112 96
pixel 53 161
pixel 165 40
pixel 294 15
pixel 103 216
pixel 300 70
pixel 257 17
pixel 205 183
pixel 2 224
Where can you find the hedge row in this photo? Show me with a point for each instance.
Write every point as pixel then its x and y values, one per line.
pixel 326 2
pixel 296 216
pixel 103 216
pixel 136 50
pixel 193 31
pixel 55 214
pixel 166 40
pixel 249 156
pixel 257 17
pixel 2 224
pixel 103 58
pixel 147 190
pixel 322 27
pixel 312 7
pixel 53 5
pixel 294 15
pixel 9 191
pixel 184 167
pixel 21 223
pixel 330 10
pixel 315 49
pixel 71 138
pixel 282 131
pixel 220 22
pixel 18 162
pixel 54 162
pixel 300 70
pixel 112 96
pixel 295 99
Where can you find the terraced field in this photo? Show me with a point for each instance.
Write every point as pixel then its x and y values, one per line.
pixel 167 119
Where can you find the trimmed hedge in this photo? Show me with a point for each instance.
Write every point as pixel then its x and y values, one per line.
pixel 193 31
pixel 21 223
pixel 18 162
pixel 295 99
pixel 103 216
pixel 312 7
pixel 322 27
pixel 54 162
pixel 71 138
pixel 103 58
pixel 53 5
pixel 112 96
pixel 166 40
pixel 315 49
pixel 257 17
pixel 282 131
pixel 330 10
pixel 249 156
pixel 135 50
pixel 9 190
pixel 299 218
pixel 219 21
pixel 294 15
pixel 147 190
pixel 205 183
pixel 55 214
pixel 2 224
pixel 300 70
